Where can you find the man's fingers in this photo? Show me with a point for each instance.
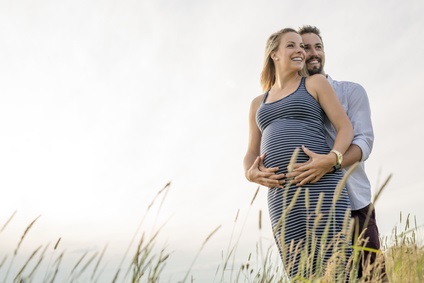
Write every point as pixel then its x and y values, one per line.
pixel 307 151
pixel 301 166
pixel 304 178
pixel 315 180
pixel 293 174
pixel 297 165
pixel 305 181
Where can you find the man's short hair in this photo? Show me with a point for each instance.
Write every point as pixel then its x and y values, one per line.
pixel 310 29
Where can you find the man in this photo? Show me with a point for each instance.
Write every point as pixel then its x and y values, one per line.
pixel 354 100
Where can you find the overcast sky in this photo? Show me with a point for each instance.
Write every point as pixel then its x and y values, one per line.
pixel 104 102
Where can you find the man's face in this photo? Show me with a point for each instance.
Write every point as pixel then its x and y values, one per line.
pixel 315 55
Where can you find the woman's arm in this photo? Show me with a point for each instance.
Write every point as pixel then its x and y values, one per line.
pixel 320 88
pixel 254 169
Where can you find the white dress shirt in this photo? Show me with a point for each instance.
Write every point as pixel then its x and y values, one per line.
pixel 354 100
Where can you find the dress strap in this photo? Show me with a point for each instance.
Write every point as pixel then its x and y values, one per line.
pixel 265 97
pixel 302 82
pixel 302 85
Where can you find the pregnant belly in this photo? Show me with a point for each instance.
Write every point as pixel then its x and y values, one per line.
pixel 282 137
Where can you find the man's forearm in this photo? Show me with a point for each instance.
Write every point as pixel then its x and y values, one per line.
pixel 352 155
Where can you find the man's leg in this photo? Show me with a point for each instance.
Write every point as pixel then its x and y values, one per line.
pixel 365 218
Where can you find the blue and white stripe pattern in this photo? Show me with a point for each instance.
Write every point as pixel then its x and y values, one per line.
pixel 288 123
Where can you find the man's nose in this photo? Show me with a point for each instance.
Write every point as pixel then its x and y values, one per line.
pixel 312 52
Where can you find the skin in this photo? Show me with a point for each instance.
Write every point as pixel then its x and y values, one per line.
pixel 318 164
pixel 287 81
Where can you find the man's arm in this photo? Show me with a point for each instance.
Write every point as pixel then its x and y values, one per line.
pixel 319 165
pixel 352 155
pixel 359 113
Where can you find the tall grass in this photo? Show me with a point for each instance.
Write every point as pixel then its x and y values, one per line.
pixel 402 253
pixel 405 257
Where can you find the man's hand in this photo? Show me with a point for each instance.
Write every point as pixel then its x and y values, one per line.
pixel 266 177
pixel 312 170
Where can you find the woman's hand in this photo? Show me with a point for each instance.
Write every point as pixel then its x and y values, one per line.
pixel 264 176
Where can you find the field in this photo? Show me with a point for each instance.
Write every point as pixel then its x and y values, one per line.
pixel 402 253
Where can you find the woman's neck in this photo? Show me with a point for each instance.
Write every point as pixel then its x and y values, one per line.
pixel 285 79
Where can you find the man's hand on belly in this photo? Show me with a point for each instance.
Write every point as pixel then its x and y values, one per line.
pixel 312 170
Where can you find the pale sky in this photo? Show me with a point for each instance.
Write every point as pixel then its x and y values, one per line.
pixel 104 102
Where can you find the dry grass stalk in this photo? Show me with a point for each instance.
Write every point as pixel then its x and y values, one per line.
pixel 86 265
pixel 3 261
pixel 164 192
pixel 293 159
pixel 405 259
pixel 77 264
pixel 379 191
pixel 260 220
pixel 25 233
pixel 51 257
pixel 57 243
pixel 35 268
pixel 57 262
pixel 18 276
pixel 254 196
pixel 18 246
pixel 8 221
pixel 198 252
pixel 98 262
pixel 343 181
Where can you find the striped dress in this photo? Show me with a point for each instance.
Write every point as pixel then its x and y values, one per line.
pixel 299 223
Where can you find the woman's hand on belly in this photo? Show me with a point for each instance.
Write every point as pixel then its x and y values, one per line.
pixel 264 176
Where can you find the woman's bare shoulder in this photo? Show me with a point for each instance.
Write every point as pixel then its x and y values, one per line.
pixel 256 102
pixel 317 78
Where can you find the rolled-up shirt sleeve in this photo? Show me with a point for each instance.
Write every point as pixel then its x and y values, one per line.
pixel 359 113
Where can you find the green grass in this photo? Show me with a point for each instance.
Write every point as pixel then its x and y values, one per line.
pixel 402 252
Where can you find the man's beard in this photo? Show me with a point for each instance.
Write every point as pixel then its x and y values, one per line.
pixel 315 70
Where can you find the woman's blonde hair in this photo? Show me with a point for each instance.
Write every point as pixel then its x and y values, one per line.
pixel 268 70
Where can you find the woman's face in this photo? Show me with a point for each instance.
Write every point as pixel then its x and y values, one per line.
pixel 290 53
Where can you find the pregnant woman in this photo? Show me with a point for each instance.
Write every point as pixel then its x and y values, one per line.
pixel 289 115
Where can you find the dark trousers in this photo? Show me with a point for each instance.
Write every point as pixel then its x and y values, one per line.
pixel 365 218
